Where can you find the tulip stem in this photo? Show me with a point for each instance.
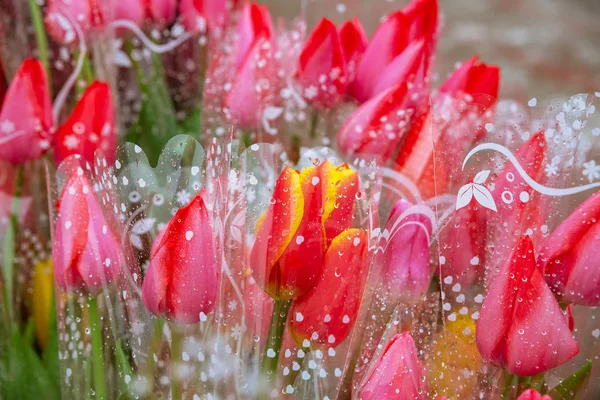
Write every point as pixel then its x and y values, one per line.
pixel 97 350
pixel 314 123
pixel 508 385
pixel 40 35
pixel 281 309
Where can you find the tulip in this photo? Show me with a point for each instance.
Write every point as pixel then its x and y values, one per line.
pixel 161 12
pixel 213 12
pixel 290 241
pixel 354 43
pixel 397 374
pixel 252 88
pixel 521 326
pixel 62 14
pixel 322 70
pixel 377 126
pixel 326 314
pixel 308 209
pixel 85 249
pixel 181 280
pixel 91 126
pixel 435 130
pixel 532 394
pixel 2 83
pixel 131 10
pixel 473 78
pixel 570 264
pixel 400 48
pixel 406 270
pixel 42 292
pixel 26 122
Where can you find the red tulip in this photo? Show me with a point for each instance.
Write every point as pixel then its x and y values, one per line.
pixel 86 251
pixel 322 71
pixel 434 131
pixel 290 241
pixel 161 12
pixel 181 280
pixel 385 63
pixel 354 43
pixel 26 122
pixel 406 270
pixel 325 315
pixel 570 263
pixel 132 10
pixel 307 209
pixel 473 78
pixel 378 126
pixel 252 87
pixel 397 374
pixel 532 394
pixel 521 326
pixel 90 126
pixel 213 12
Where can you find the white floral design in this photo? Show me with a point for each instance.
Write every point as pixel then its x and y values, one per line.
pixel 591 170
pixel 477 191
pixel 183 197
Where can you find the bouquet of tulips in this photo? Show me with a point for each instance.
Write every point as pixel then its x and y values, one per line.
pixel 199 203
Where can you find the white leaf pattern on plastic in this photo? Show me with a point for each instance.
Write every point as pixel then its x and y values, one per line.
pixel 484 197
pixel 143 226
pixel 481 177
pixel 465 195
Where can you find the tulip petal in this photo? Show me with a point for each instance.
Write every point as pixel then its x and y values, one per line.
pixel 26 121
pixel 255 23
pixel 340 188
pixel 278 227
pixel 397 374
pixel 91 126
pixel 181 281
pixel 354 43
pixel 327 312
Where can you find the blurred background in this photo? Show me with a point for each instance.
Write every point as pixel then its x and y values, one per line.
pixel 546 48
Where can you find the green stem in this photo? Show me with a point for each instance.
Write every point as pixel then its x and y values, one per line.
pixel 40 35
pixel 154 348
pixel 537 382
pixel 508 385
pixel 97 350
pixel 10 244
pixel 175 360
pixel 281 309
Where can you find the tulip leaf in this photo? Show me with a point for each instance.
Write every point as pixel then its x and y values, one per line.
pixel 569 387
pixel 192 124
pixel 51 361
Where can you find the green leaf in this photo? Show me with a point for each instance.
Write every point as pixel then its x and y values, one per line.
pixel 568 388
pixel 192 124
pixel 51 361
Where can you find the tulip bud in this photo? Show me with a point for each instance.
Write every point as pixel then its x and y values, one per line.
pixel 393 54
pixel 397 374
pixel 354 43
pixel 90 126
pixel 406 270
pixel 532 394
pixel 86 252
pixel 521 326
pixel 287 255
pixel 26 122
pixel 214 13
pixel 61 15
pixel 570 264
pixel 161 12
pixel 322 71
pixel 377 126
pixel 340 186
pixel 131 10
pixel 181 280
pixel 254 66
pixel 42 291
pixel 325 315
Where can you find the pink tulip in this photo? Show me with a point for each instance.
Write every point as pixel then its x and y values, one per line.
pixel 398 373
pixel 90 127
pixel 161 12
pixel 62 14
pixel 532 394
pixel 385 63
pixel 199 14
pixel 252 86
pixel 322 71
pixel 570 263
pixel 406 270
pixel 86 251
pixel 377 126
pixel 354 43
pixel 132 10
pixel 26 122
pixel 181 280
pixel 521 326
